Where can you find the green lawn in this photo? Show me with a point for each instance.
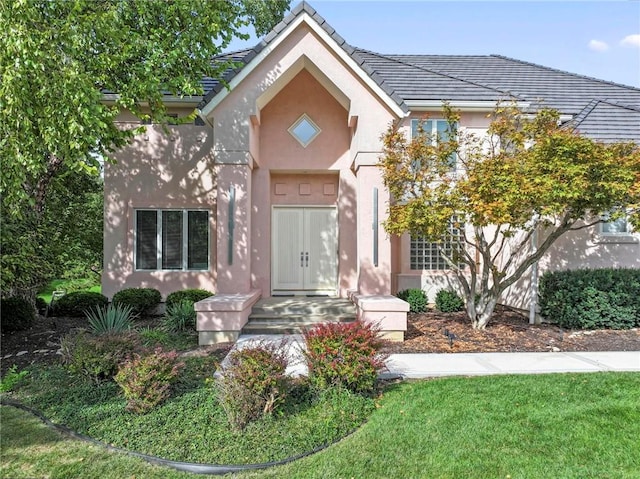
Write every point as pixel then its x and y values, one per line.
pixel 539 426
pixel 65 284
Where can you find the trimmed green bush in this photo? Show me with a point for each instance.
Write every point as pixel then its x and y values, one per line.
pixel 141 300
pixel 448 301
pixel 97 357
pixel 180 317
pixel 146 380
pixel 345 355
pixel 591 298
pixel 75 304
pixel 16 314
pixel 253 384
pixel 192 295
pixel 416 298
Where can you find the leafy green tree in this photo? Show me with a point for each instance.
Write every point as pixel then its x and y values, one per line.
pixel 527 176
pixel 59 57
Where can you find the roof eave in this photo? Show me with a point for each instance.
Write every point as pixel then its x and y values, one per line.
pixel 468 105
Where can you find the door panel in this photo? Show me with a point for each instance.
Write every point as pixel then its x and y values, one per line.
pixel 304 249
pixel 321 245
pixel 287 226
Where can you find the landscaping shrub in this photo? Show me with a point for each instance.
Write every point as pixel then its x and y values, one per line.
pixel 344 355
pixel 253 384
pixel 153 337
pixel 140 300
pixel 591 298
pixel 416 298
pixel 11 378
pixel 97 357
pixel 115 318
pixel 192 295
pixel 75 304
pixel 448 301
pixel 146 380
pixel 180 316
pixel 16 314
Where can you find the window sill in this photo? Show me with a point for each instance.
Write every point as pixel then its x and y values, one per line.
pixel 622 238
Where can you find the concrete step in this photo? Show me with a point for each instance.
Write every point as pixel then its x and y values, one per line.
pixel 303 307
pixel 289 324
pixel 292 315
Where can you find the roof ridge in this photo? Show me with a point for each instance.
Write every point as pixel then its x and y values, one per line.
pixel 448 75
pixel 575 122
pixel 620 105
pixel 564 71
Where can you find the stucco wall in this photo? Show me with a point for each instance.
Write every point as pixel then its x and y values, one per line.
pixel 156 170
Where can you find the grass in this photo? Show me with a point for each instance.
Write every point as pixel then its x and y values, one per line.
pixel 67 285
pixel 31 449
pixel 191 426
pixel 560 425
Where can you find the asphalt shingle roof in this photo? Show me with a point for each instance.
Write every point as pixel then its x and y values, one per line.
pixel 603 110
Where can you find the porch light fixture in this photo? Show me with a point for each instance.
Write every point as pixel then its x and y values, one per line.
pixel 304 130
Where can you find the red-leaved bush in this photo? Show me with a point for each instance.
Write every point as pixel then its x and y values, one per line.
pixel 146 380
pixel 345 355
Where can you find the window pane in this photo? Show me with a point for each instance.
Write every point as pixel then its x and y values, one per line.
pixel 146 240
pixel 172 240
pixel 444 135
pixel 198 240
pixel 617 226
pixel 427 126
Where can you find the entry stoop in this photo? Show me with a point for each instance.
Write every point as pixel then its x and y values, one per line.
pixel 292 315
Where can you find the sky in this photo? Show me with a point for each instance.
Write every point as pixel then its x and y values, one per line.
pixel 599 39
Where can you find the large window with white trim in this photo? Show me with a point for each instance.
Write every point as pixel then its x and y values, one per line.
pixel 428 255
pixel 171 239
pixel 436 131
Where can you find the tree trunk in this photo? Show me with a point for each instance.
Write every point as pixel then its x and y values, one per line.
pixel 483 311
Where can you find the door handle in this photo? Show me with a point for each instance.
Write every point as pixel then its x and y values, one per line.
pixel 301 259
pixel 306 257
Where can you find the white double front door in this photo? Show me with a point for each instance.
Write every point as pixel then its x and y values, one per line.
pixel 304 252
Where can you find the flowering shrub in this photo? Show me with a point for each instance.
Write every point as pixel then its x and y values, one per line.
pixel 344 355
pixel 253 384
pixel 146 380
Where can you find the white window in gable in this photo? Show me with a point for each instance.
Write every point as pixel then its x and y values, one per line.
pixel 171 240
pixel 425 255
pixel 304 130
pixel 436 131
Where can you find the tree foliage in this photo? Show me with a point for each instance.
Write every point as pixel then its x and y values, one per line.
pixel 58 59
pixel 526 175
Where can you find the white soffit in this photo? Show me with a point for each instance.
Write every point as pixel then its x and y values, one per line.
pixel 346 58
pixel 436 105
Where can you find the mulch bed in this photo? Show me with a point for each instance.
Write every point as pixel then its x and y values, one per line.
pixel 430 332
pixel 508 331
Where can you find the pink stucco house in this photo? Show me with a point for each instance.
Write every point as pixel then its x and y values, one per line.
pixel 274 190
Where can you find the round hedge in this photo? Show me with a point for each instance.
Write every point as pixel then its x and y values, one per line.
pixel 16 314
pixel 140 300
pixel 75 304
pixel 192 295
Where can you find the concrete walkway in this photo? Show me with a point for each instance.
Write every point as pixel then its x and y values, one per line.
pixel 415 366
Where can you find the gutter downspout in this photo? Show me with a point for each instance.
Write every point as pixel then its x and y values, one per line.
pixel 534 273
